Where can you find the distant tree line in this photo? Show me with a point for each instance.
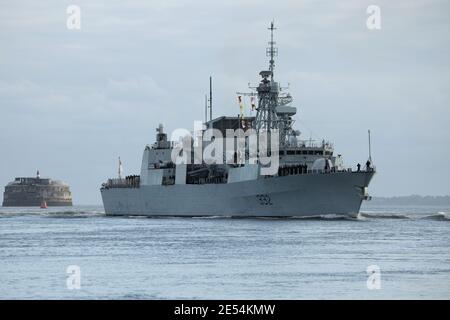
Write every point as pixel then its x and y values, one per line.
pixel 413 200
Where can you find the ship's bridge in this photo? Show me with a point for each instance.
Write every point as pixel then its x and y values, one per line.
pixel 223 123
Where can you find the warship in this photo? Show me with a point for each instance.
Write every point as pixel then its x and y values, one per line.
pixel 36 191
pixel 194 177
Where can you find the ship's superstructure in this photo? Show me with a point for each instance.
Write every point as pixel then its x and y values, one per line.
pixel 34 191
pixel 309 179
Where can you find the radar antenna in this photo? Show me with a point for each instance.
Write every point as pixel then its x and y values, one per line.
pixel 210 98
pixel 272 51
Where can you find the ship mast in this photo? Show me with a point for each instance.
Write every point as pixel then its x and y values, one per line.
pixel 266 116
pixel 272 51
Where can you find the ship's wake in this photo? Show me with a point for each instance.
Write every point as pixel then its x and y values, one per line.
pixel 362 216
pixel 53 214
pixel 439 216
pixel 383 215
pixel 327 217
pixel 73 214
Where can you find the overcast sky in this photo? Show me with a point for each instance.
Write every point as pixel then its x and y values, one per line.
pixel 72 101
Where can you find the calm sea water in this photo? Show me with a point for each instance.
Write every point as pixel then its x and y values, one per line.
pixel 224 258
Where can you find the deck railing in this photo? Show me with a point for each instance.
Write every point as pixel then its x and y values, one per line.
pixel 127 182
pixel 300 169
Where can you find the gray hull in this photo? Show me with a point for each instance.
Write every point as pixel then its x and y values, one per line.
pixel 288 196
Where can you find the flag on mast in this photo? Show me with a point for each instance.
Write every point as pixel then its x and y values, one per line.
pixel 241 108
pixel 252 101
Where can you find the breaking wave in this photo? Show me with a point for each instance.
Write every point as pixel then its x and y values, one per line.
pixel 384 215
pixel 99 212
pixel 54 214
pixel 73 214
pixel 212 217
pixel 440 216
pixel 327 217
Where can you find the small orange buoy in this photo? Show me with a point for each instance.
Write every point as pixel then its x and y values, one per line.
pixel 44 205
